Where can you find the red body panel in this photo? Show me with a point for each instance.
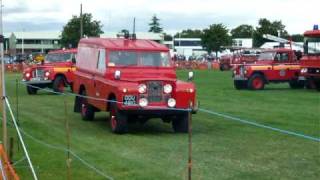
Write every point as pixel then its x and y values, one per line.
pixel 103 85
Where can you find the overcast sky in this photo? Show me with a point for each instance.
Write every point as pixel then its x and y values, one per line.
pixel 175 15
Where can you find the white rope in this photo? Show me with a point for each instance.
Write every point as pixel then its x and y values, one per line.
pixel 3 174
pixel 21 140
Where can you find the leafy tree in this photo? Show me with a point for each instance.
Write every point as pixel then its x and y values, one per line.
pixel 155 25
pixel 242 31
pixel 297 37
pixel 167 37
pixel 215 37
pixel 189 33
pixel 268 27
pixel 71 31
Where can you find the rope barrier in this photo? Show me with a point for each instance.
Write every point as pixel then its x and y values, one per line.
pixel 260 125
pixel 21 139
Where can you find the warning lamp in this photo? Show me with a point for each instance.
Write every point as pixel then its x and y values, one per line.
pixel 315 27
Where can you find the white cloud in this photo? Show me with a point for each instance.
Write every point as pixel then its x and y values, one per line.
pixel 174 14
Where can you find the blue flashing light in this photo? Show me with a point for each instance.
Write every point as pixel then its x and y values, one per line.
pixel 315 27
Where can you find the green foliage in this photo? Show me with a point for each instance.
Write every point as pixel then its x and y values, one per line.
pixel 215 37
pixel 189 33
pixel 242 31
pixel 297 37
pixel 167 37
pixel 155 25
pixel 71 31
pixel 267 27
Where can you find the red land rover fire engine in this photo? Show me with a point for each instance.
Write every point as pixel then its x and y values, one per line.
pixel 310 62
pixel 132 79
pixel 275 65
pixel 56 72
pixel 238 57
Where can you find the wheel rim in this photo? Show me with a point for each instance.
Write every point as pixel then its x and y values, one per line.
pixel 113 119
pixel 257 83
pixel 84 107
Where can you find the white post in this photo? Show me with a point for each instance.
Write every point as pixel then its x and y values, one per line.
pixel 3 84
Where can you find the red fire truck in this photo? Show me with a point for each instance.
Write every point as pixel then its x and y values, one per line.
pixel 310 62
pixel 56 72
pixel 134 80
pixel 238 57
pixel 272 66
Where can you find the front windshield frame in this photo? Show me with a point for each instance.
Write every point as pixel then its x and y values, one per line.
pixel 139 59
pixel 267 56
pixel 61 57
pixel 310 45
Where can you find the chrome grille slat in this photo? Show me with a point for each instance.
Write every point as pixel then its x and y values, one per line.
pixel 155 91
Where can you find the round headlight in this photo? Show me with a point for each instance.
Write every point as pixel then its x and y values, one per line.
pixel 142 88
pixel 143 102
pixel 167 88
pixel 171 102
pixel 47 73
pixel 28 75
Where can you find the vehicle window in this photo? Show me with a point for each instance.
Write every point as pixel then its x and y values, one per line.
pixel 123 58
pixel 155 59
pixel 265 56
pixel 101 60
pixel 126 58
pixel 59 57
pixel 312 46
pixel 282 57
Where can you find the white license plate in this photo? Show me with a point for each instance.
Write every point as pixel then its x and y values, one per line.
pixel 129 100
pixel 36 79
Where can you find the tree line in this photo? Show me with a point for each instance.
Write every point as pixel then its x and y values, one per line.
pixel 213 38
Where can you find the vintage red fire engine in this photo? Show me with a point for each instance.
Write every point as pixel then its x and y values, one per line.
pixel 134 80
pixel 239 56
pixel 57 71
pixel 272 66
pixel 310 62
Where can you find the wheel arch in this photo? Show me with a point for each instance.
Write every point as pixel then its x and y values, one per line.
pixel 111 96
pixel 77 103
pixel 262 74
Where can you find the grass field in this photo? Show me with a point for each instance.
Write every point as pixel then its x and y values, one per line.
pixel 222 149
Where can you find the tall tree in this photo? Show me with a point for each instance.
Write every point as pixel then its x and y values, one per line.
pixel 242 31
pixel 155 25
pixel 189 33
pixel 71 31
pixel 215 37
pixel 268 27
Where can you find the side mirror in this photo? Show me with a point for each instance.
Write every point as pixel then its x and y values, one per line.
pixel 117 74
pixel 190 76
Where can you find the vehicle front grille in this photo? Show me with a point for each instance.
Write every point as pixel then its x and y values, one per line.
pixel 38 73
pixel 313 70
pixel 155 89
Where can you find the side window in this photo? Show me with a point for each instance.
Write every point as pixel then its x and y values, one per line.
pixel 282 57
pixel 101 60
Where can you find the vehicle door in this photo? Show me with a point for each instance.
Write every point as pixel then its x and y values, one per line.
pixel 280 66
pixel 99 79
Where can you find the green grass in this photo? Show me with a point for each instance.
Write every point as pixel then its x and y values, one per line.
pixel 222 149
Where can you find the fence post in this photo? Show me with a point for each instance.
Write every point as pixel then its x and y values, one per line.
pixel 68 161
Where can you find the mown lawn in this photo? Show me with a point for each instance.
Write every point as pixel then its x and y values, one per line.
pixel 222 149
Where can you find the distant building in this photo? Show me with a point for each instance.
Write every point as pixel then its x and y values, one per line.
pixel 28 42
pixel 188 46
pixel 242 42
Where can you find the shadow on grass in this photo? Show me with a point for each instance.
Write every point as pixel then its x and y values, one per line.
pixel 152 127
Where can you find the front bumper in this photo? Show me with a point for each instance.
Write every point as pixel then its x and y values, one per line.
pixel 239 78
pixel 37 81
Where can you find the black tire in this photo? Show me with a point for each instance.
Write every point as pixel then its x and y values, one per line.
pixel 240 84
pixel 59 84
pixel 221 67
pixel 87 110
pixel 31 90
pixel 181 123
pixel 296 84
pixel 310 84
pixel 256 82
pixel 317 84
pixel 118 120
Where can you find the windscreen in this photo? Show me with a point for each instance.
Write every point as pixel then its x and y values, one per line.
pixel 312 46
pixel 266 56
pixel 66 57
pixel 132 58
